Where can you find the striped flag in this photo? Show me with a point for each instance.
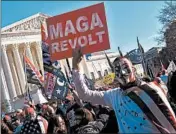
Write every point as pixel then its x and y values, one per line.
pixel 33 74
pixel 154 104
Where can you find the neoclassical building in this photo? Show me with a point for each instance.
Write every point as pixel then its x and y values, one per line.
pixel 17 39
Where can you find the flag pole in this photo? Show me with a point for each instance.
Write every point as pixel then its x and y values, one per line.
pixel 109 62
pixel 68 64
pixel 121 55
pixel 143 58
pixel 66 74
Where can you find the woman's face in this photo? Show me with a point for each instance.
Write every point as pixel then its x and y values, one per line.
pixel 62 127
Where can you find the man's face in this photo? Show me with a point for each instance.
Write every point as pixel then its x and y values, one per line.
pixel 124 71
pixel 62 125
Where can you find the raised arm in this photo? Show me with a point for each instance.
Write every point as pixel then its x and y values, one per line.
pixel 84 92
pixel 95 97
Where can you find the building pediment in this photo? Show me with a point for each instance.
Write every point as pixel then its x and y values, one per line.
pixel 31 23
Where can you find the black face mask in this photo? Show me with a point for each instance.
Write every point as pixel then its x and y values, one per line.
pixel 121 69
pixel 122 72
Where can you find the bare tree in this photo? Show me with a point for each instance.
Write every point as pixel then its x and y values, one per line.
pixel 166 16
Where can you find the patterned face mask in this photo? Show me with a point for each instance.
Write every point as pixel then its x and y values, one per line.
pixel 123 71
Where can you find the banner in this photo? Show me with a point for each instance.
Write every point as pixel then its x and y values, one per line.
pixel 135 56
pixel 33 74
pixel 50 83
pixel 61 87
pixel 109 78
pixel 86 28
pixel 55 81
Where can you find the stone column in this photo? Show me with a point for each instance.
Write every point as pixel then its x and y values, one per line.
pixel 20 67
pixel 14 73
pixel 5 92
pixel 39 56
pixel 28 52
pixel 5 100
pixel 8 74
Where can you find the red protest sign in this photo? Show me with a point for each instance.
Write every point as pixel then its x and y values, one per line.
pixel 86 28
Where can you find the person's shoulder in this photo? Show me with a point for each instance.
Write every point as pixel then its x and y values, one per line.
pixel 113 92
pixel 151 86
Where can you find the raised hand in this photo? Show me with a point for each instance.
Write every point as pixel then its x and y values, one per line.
pixel 77 57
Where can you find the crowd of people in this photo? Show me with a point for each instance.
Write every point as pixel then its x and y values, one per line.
pixel 60 117
pixel 129 105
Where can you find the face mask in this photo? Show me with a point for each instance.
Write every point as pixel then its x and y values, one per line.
pixel 122 71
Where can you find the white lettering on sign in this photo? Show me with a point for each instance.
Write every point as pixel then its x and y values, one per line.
pixel 85 26
pixel 81 41
pixel 64 45
pixel 73 43
pixel 55 47
pixel 96 21
pixel 91 42
pixel 99 34
pixel 69 28
pixel 82 25
pixel 55 32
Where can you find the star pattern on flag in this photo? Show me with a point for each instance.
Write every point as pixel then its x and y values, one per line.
pixel 31 126
pixel 58 91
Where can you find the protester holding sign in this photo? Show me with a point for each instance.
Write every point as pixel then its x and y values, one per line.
pixel 134 114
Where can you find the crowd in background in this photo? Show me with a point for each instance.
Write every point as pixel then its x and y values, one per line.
pixel 73 115
pixel 66 116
